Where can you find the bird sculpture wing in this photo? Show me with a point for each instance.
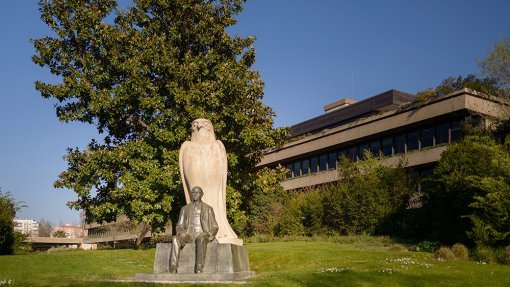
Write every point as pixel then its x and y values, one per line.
pixel 183 149
pixel 223 188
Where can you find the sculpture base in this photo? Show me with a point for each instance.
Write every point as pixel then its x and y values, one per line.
pixel 220 259
pixel 193 277
pixel 235 241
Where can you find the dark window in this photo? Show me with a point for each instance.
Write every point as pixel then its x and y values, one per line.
pixel 344 153
pixel 441 133
pixel 362 149
pixel 314 162
pixel 332 156
pixel 323 160
pixel 399 144
pixel 387 146
pixel 412 141
pixel 305 168
pixel 455 131
pixel 289 172
pixel 374 148
pixel 353 153
pixel 427 137
pixel 297 168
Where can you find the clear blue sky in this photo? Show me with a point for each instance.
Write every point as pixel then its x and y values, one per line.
pixel 309 53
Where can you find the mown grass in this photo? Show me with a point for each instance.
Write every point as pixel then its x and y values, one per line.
pixel 357 261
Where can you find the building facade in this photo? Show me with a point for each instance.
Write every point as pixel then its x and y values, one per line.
pixel 29 227
pixel 390 125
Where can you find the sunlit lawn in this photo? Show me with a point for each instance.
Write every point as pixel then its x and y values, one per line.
pixel 296 263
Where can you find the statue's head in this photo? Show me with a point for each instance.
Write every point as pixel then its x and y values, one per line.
pixel 202 131
pixel 196 193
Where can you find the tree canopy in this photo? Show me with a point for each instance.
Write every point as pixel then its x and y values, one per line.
pixel 467 196
pixel 449 85
pixel 141 75
pixel 8 209
pixel 497 65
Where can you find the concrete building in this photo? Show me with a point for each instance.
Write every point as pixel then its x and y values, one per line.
pixel 29 227
pixel 390 125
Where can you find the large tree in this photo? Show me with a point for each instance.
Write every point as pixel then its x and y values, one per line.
pixel 497 65
pixel 141 75
pixel 8 209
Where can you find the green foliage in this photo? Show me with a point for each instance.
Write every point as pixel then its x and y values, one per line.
pixel 8 209
pixel 141 76
pixel 487 86
pixel 504 257
pixel 292 218
pixel 59 234
pixel 462 197
pixel 497 64
pixel 491 211
pixel 267 201
pixel 21 246
pixel 484 254
pixel 369 198
pixel 428 246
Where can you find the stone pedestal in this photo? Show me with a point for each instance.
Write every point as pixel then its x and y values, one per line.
pixel 223 262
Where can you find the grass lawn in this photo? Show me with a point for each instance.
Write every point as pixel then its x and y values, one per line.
pixel 355 262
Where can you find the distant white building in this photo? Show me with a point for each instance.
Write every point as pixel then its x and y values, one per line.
pixel 29 227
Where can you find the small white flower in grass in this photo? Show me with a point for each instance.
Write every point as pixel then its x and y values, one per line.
pixel 402 260
pixel 6 282
pixel 333 270
pixel 388 270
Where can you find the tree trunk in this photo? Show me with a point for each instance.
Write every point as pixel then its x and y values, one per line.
pixel 143 229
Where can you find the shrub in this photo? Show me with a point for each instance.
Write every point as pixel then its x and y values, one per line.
pixel 302 213
pixel 291 221
pixel 504 257
pixel 444 253
pixel 367 197
pixel 468 193
pixel 460 251
pixel 484 254
pixel 313 212
pixel 158 238
pixel 267 202
pixel 8 209
pixel 428 246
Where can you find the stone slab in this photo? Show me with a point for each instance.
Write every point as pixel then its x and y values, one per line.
pixel 235 241
pixel 220 258
pixel 193 277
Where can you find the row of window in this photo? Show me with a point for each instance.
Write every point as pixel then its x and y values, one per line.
pixel 443 133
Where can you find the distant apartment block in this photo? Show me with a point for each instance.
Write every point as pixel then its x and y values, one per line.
pixel 29 227
pixel 389 125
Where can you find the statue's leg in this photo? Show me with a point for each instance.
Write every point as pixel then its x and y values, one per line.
pixel 200 251
pixel 178 241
